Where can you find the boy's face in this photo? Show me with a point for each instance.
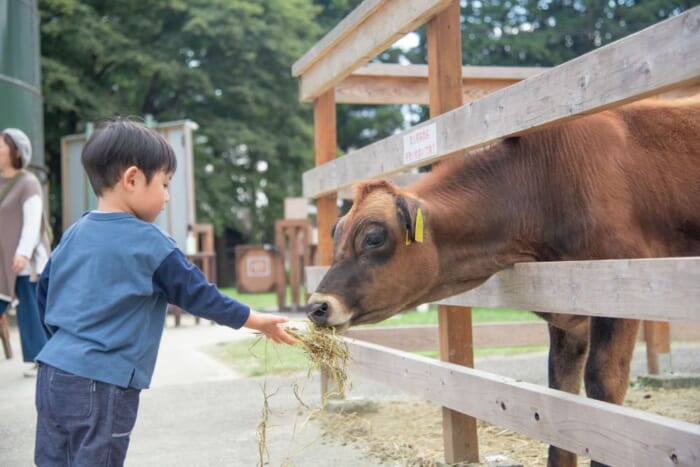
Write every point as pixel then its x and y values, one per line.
pixel 150 198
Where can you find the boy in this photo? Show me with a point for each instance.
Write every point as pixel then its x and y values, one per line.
pixel 103 296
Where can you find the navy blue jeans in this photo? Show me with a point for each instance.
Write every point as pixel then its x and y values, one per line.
pixel 81 422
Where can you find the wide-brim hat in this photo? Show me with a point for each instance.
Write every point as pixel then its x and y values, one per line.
pixel 22 142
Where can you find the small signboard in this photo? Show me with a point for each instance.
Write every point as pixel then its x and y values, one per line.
pixel 420 144
pixel 258 266
pixel 255 270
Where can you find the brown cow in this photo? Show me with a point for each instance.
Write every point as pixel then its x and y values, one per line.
pixel 622 183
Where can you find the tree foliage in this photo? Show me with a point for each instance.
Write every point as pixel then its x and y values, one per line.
pixel 223 63
pixel 359 125
pixel 551 32
pixel 547 32
pixel 226 65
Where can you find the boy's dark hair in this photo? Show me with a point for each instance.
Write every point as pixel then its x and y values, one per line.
pixel 119 144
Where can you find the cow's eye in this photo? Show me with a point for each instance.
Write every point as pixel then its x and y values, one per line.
pixel 374 239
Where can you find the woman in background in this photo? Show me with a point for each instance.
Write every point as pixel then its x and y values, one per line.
pixel 24 246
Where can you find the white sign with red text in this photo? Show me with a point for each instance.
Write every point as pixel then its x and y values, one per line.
pixel 420 144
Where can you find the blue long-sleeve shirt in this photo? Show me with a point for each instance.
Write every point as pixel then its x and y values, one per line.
pixel 103 298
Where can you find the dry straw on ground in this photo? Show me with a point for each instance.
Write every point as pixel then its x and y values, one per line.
pixel 263 454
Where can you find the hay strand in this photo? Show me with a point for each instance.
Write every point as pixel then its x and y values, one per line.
pixel 263 454
pixel 325 351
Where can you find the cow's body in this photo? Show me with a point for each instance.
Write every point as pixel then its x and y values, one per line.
pixel 623 183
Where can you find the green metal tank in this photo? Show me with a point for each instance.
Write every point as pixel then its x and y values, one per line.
pixel 20 74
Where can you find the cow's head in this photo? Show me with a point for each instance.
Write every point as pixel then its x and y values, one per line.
pixel 384 259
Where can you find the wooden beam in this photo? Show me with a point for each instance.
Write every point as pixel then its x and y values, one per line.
pixel 336 35
pixel 325 143
pixel 445 60
pixel 657 335
pixel 608 433
pixel 663 289
pixel 681 331
pixel 382 90
pixel 658 58
pixel 393 70
pixel 461 443
pixel 354 43
pixel 279 269
pixel 460 438
pixel 486 335
pixel 325 146
pixel 382 83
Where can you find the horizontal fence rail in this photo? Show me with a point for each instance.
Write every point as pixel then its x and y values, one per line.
pixel 660 58
pixel 485 335
pixel 382 83
pixel 366 32
pixel 665 289
pixel 608 433
pixel 656 59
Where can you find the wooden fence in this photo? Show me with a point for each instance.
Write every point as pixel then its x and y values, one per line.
pixel 660 58
pixel 486 335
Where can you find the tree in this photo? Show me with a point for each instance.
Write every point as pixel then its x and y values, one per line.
pixel 222 63
pixel 547 32
pixel 360 125
pixel 551 32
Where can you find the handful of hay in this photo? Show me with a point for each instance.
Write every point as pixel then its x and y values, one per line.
pixel 325 352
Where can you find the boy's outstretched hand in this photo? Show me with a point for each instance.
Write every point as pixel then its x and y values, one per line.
pixel 269 325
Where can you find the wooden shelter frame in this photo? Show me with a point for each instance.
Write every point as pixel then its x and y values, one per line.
pixel 663 57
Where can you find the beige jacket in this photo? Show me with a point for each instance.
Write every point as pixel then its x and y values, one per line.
pixel 11 220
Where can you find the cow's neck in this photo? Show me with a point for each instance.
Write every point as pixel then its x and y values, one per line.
pixel 475 210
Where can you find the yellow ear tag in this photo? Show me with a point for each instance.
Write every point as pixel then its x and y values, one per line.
pixel 408 239
pixel 419 226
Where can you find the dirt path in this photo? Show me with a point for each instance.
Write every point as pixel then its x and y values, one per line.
pixel 411 431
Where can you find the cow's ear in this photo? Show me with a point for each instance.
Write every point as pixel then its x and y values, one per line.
pixel 411 217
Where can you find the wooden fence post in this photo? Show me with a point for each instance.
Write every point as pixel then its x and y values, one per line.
pixel 325 143
pixel 455 323
pixel 657 335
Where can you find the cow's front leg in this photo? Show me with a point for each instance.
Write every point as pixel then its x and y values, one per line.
pixel 608 368
pixel 567 356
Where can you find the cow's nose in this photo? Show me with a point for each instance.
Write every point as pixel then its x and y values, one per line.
pixel 318 313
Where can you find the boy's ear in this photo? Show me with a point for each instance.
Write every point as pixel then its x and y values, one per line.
pixel 128 179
